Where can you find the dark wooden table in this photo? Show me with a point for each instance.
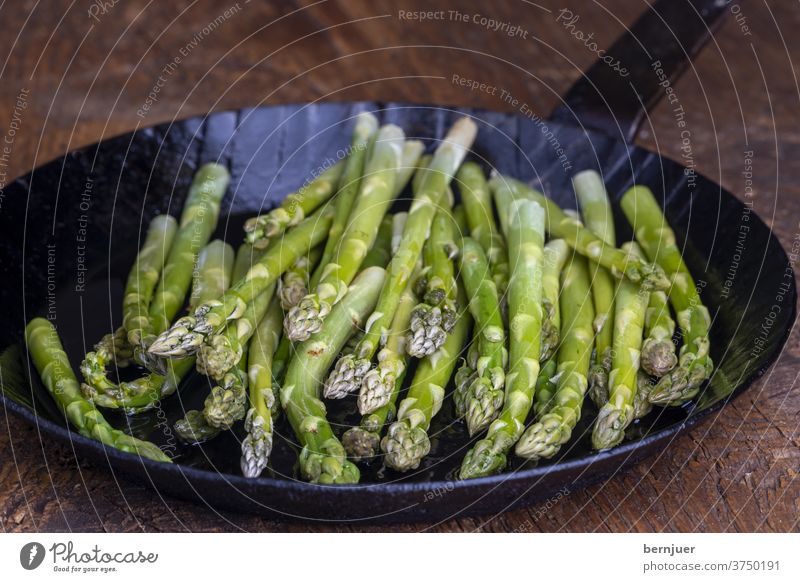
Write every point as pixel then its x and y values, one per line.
pixel 76 72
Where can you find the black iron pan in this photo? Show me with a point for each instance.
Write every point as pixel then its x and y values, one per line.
pixel 71 229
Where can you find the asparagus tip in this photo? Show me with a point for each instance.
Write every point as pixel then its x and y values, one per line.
pixel 405 446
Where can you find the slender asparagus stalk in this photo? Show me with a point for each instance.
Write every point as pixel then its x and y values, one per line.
pixel 257 445
pixel 375 195
pixel 406 442
pixel 477 202
pixel 544 439
pixel 598 217
pixel 435 315
pixel 641 402
pixel 526 257
pixel 379 383
pixel 294 208
pixel 144 276
pixel 118 347
pixel 364 133
pixel 220 357
pixel 209 318
pixel 546 386
pixel 556 252
pixel 382 386
pixel 580 238
pixel 658 240
pixel 197 224
pixel 294 283
pixel 658 350
pixel 350 370
pixel 57 376
pixel 629 313
pixel 481 397
pixel 322 458
pixel 212 279
pixel 381 252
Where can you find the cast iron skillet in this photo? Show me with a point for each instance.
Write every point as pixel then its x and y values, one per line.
pixel 71 229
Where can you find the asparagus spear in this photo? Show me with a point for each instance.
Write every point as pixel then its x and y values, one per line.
pixel 546 386
pixel 382 386
pixel 322 458
pixel 188 333
pixel 257 445
pixel 480 395
pixel 658 240
pixel 294 208
pixel 435 315
pixel 641 402
pixel 526 256
pixel 375 195
pixel 213 277
pixel 629 312
pixel 658 350
pixel 350 370
pixel 144 276
pixel 53 366
pixel 294 283
pixel 544 439
pixel 381 252
pixel 556 252
pixel 197 224
pixel 580 238
pixel 597 214
pixel 119 346
pixel 406 442
pixel 477 202
pixel 379 383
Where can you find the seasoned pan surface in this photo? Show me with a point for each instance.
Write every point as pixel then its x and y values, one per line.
pixel 71 231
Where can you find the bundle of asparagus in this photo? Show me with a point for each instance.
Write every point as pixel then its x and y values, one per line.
pixel 333 277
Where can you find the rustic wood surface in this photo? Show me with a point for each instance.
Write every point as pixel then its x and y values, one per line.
pixel 84 70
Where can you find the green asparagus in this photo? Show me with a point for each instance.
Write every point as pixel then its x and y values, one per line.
pixel 406 442
pixel 580 238
pixel 350 370
pixel 658 241
pixel 546 385
pixel 294 283
pixel 322 458
pixel 598 217
pixel 375 195
pixel 188 333
pixel 544 439
pixel 477 202
pixel 479 397
pixel 435 315
pixel 658 350
pixel 526 222
pixel 629 313
pixel 556 252
pixel 294 208
pixel 53 366
pixel 213 277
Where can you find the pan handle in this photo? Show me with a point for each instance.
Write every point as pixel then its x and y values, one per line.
pixel 654 53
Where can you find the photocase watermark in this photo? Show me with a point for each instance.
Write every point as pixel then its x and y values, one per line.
pixel 523 108
pixel 66 558
pixel 31 555
pixel 687 154
pixel 171 67
pixel 100 8
pixel 568 19
pixel 438 492
pixel 739 17
pixel 491 24
pixel 51 282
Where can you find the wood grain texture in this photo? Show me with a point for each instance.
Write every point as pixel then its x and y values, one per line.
pixel 82 80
